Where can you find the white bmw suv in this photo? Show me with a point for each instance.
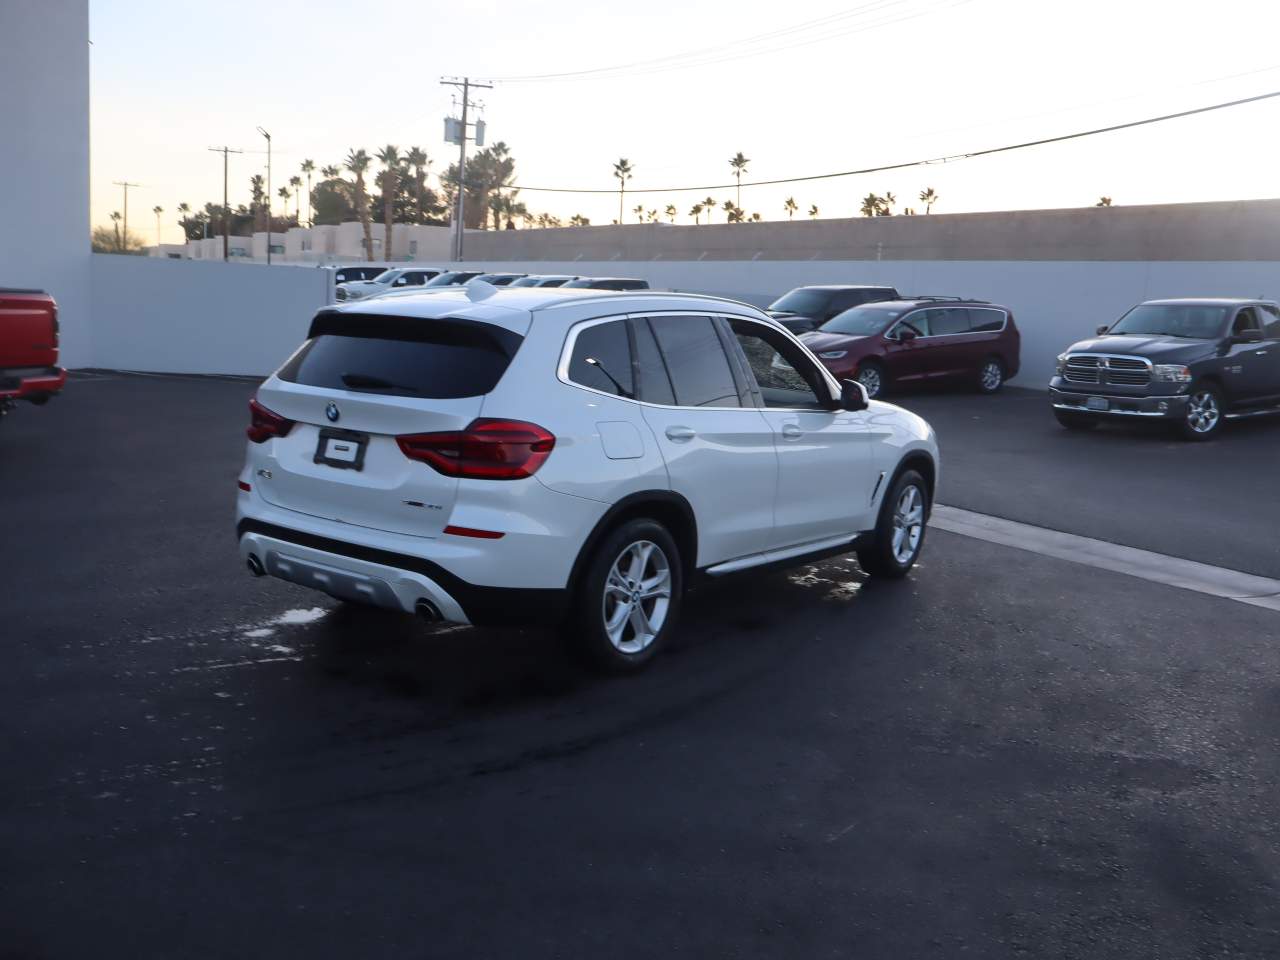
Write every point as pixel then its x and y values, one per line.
pixel 569 456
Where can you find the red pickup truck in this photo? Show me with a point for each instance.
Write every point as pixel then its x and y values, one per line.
pixel 28 348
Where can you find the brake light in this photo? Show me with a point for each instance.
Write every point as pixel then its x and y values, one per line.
pixel 265 424
pixel 487 449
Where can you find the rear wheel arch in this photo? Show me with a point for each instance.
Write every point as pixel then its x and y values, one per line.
pixel 666 507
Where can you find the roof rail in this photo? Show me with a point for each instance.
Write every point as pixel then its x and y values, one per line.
pixel 931 296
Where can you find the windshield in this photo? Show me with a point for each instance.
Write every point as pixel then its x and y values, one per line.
pixel 387 276
pixel 803 300
pixel 1199 321
pixel 861 321
pixel 449 278
pixel 526 282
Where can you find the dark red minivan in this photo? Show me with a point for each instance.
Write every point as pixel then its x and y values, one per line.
pixel 920 339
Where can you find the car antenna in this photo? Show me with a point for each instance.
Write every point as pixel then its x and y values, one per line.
pixel 600 366
pixel 478 290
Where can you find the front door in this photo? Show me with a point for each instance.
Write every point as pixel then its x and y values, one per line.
pixel 825 477
pixel 719 453
pixel 906 356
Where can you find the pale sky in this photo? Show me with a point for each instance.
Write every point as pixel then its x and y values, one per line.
pixel 171 79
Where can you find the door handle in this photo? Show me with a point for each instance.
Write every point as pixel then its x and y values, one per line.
pixel 791 432
pixel 1260 353
pixel 680 434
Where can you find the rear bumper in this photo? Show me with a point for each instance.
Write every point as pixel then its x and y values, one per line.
pixel 1155 408
pixel 389 579
pixel 25 383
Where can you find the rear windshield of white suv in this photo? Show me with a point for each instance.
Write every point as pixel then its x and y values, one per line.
pixel 403 356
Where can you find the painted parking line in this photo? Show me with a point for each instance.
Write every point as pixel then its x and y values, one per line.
pixel 1130 561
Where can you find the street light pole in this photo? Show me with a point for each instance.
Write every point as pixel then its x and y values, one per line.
pixel 268 136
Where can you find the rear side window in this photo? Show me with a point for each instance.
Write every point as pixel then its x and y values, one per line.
pixel 651 369
pixel 607 344
pixel 402 356
pixel 1271 321
pixel 983 320
pixel 949 321
pixel 696 361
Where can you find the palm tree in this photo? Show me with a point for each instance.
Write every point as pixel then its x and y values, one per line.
pixel 728 208
pixel 928 197
pixel 115 225
pixel 184 209
pixel 789 205
pixel 389 183
pixel 653 216
pixel 357 162
pixel 622 170
pixel 708 205
pixel 736 215
pixel 813 211
pixel 638 210
pixel 284 195
pixel 886 205
pixel 258 205
pixel 296 182
pixel 671 212
pixel 417 159
pixel 696 212
pixel 756 218
pixel 308 167
pixel 578 220
pixel 1103 202
pixel 330 172
pixel 157 210
pixel 739 164
pixel 870 205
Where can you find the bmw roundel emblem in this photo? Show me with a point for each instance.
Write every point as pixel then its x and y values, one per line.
pixel 331 411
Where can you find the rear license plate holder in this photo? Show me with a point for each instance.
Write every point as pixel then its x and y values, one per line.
pixel 343 449
pixel 1097 403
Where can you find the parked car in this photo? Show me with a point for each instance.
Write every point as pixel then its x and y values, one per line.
pixel 497 279
pixel 497 456
pixel 394 279
pixel 606 283
pixel 1191 363
pixel 452 278
pixel 923 339
pixel 545 280
pixel 28 348
pixel 349 274
pixel 807 308
pixel 501 279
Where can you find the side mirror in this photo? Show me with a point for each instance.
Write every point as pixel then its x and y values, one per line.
pixel 853 395
pixel 1247 336
pixel 1103 329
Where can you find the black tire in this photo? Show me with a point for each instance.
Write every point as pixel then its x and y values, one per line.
pixel 990 375
pixel 1204 414
pixel 874 375
pixel 880 558
pixel 593 604
pixel 1075 421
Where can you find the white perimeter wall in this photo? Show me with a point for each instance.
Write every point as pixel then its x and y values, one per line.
pixel 1054 302
pixel 187 316
pixel 44 159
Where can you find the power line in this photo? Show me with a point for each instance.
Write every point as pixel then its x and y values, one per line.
pixel 920 163
pixel 710 50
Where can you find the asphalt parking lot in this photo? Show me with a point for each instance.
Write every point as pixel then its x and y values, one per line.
pixel 1005 755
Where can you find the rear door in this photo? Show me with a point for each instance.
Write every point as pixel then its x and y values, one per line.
pixel 720 455
pixel 356 385
pixel 952 348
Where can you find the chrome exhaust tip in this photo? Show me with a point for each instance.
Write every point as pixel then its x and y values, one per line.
pixel 427 611
pixel 255 566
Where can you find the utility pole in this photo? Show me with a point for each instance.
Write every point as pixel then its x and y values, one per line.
pixel 465 84
pixel 268 136
pixel 126 185
pixel 226 218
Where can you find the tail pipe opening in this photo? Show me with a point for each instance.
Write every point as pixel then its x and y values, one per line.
pixel 255 566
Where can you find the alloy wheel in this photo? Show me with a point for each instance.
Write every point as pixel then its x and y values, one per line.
pixel 870 379
pixel 1202 412
pixel 908 524
pixel 637 596
pixel 992 376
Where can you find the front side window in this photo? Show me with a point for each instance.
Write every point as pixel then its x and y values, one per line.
pixel 696 361
pixel 918 322
pixel 863 321
pixel 784 378
pixel 1246 319
pixel 601 359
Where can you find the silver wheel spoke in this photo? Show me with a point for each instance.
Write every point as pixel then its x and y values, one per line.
pixel 659 586
pixel 637 592
pixel 640 624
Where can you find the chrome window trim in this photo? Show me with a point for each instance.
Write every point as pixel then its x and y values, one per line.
pixel 1004 323
pixel 571 338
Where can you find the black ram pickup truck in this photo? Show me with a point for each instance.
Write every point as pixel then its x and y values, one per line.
pixel 1193 363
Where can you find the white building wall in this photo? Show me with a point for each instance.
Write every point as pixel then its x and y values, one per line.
pixel 184 316
pixel 44 159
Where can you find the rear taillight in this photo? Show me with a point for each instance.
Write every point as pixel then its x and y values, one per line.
pixel 486 450
pixel 53 315
pixel 265 424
